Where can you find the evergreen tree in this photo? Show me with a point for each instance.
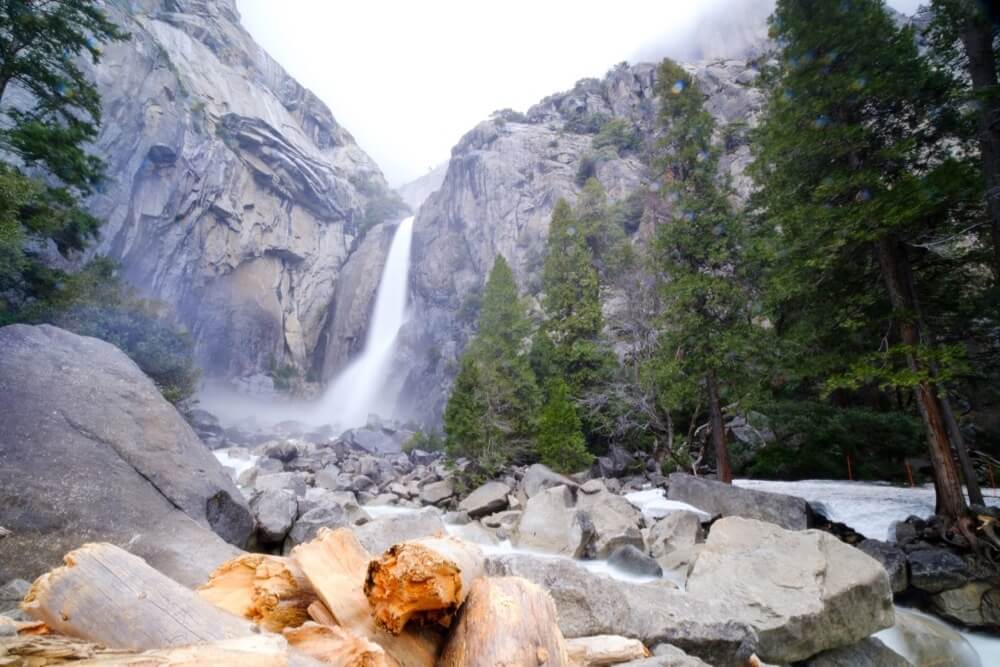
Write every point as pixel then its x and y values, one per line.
pixel 561 444
pixel 705 337
pixel 854 179
pixel 46 132
pixel 491 416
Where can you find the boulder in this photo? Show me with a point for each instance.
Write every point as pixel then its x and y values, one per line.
pixel 726 500
pixel 203 422
pixel 591 604
pixel 893 560
pixel 925 640
pixel 631 560
pixel 11 594
pixel 869 652
pixel 437 492
pixel 489 498
pixel 616 522
pixel 282 450
pixel 539 477
pixel 375 441
pixel 276 510
pixel 975 604
pixel 936 570
pixel 90 451
pixel 616 463
pixel 327 478
pixel 803 591
pixel 666 655
pixel 295 482
pixel 676 531
pixel 379 534
pixel 550 523
pixel 506 519
pixel 474 532
pixel 323 516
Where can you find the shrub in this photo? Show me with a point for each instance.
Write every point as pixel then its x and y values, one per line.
pixel 428 441
pixel 509 116
pixel 583 122
pixel 619 134
pixel 561 444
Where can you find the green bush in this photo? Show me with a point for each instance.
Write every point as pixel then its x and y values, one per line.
pixel 583 122
pixel 428 441
pixel 619 134
pixel 561 444
pixel 509 116
pixel 814 439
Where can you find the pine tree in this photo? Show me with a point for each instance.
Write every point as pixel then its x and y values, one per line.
pixel 46 137
pixel 707 329
pixel 561 444
pixel 854 178
pixel 491 416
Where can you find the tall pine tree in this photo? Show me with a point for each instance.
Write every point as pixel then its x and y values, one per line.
pixel 561 444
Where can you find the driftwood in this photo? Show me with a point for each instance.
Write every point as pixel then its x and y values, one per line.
pixel 106 595
pixel 506 621
pixel 336 565
pixel 604 650
pixel 269 590
pixel 256 651
pixel 423 580
pixel 337 647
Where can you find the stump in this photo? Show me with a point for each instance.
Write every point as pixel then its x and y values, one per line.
pixel 422 580
pixel 506 621
pixel 269 590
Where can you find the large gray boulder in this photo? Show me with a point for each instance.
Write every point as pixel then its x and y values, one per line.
pixel 616 522
pixel 893 559
pixel 551 524
pixel 379 534
pixel 870 652
pixel 275 510
pixel 489 498
pixel 666 655
pixel 591 604
pixel 539 477
pixel 720 499
pixel 803 591
pixel 90 451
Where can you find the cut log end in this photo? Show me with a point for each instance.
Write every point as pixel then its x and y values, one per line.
pixel 423 581
pixel 337 647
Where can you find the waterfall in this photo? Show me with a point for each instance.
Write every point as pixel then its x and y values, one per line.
pixel 357 391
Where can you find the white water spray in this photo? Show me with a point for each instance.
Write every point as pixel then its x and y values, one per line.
pixel 357 391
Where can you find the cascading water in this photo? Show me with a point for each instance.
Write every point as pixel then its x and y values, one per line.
pixel 356 391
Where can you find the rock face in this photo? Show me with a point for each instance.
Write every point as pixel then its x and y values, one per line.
pixel 803 591
pixel 235 195
pixel 502 182
pixel 720 499
pixel 91 452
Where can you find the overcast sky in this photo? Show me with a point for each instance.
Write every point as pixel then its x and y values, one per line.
pixel 408 79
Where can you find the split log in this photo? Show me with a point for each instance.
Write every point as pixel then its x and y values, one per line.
pixel 604 650
pixel 319 613
pixel 506 621
pixel 335 646
pixel 269 590
pixel 336 565
pixel 106 595
pixel 41 650
pixel 422 580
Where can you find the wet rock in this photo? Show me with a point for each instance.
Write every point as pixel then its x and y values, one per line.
pixel 924 640
pixel 476 533
pixel 275 510
pixel 437 492
pixel 12 592
pixel 203 422
pixel 539 477
pixel 936 570
pixel 281 451
pixel 893 560
pixel 506 519
pixel 802 591
pixel 726 500
pixel 666 655
pixel 361 483
pixel 489 498
pixel 869 652
pixel 628 558
pixel 615 520
pixel 379 534
pixel 550 523
pixel 975 604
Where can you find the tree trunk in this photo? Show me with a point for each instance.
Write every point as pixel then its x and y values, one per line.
pixel 603 650
pixel 895 268
pixel 976 34
pixel 506 621
pixel 106 595
pixel 718 428
pixel 968 471
pixel 336 565
pixel 424 580
pixel 337 647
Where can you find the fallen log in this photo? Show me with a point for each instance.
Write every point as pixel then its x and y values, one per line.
pixel 336 565
pixel 41 650
pixel 604 650
pixel 506 621
pixel 422 580
pixel 335 646
pixel 269 590
pixel 106 595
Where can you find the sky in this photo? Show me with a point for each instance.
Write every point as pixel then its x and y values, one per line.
pixel 408 79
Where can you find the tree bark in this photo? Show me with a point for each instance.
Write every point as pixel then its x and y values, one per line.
pixel 106 595
pixel 603 650
pixel 976 34
pixel 337 647
pixel 422 580
pixel 718 428
pixel 968 471
pixel 336 565
pixel 895 268
pixel 269 590
pixel 506 621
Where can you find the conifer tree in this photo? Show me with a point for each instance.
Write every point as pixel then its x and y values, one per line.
pixel 853 178
pixel 561 444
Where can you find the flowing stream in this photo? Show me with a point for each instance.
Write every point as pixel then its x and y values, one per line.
pixel 357 391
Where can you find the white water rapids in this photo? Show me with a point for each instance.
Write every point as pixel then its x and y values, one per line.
pixel 357 390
